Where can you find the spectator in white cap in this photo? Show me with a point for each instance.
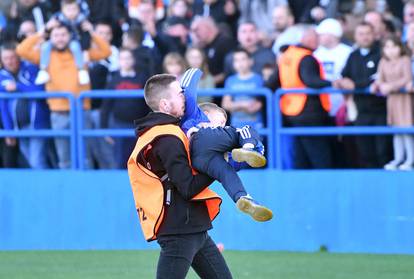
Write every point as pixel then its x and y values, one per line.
pixel 332 54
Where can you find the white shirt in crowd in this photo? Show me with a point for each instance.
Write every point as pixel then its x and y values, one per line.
pixel 333 61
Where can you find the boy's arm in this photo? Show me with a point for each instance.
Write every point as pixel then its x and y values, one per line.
pixel 27 51
pixel 189 83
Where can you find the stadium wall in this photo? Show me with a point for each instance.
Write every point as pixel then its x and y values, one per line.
pixel 344 211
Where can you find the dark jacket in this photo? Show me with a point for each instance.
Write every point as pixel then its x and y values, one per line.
pixel 22 112
pixel 362 71
pixel 168 155
pixel 124 109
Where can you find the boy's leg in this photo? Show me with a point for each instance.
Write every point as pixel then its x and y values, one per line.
pixel 252 151
pixel 219 169
pixel 216 167
pixel 45 51
pixel 76 50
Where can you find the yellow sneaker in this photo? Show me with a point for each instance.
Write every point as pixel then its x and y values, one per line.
pixel 250 156
pixel 258 212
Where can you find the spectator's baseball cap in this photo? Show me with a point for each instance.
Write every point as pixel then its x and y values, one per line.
pixel 330 26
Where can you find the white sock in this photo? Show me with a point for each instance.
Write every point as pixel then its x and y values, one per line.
pixel 398 141
pixel 248 145
pixel 409 149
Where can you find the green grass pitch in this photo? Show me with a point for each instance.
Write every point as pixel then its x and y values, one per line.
pixel 243 264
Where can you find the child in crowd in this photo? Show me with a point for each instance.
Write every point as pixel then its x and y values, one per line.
pixel 121 113
pixel 174 64
pixel 196 58
pixel 75 18
pixel 244 109
pixel 210 139
pixel 394 75
pixel 178 9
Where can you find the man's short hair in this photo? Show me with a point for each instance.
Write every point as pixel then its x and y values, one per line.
pixel 155 89
pixel 61 25
pixel 209 107
pixel 365 24
pixel 9 45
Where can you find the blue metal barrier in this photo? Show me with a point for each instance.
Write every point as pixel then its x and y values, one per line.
pixel 279 130
pixel 48 133
pixel 105 94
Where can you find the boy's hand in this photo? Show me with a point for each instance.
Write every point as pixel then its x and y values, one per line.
pixel 206 125
pixel 87 26
pixel 52 23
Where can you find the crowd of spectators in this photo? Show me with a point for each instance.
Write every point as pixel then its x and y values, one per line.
pixel 79 45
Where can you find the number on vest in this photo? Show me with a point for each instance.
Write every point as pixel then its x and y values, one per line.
pixel 142 215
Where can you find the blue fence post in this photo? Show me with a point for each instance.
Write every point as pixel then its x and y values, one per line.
pixel 271 140
pixel 73 134
pixel 80 138
pixel 277 129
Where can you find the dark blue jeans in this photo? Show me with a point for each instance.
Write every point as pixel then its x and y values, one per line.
pixel 207 149
pixel 198 250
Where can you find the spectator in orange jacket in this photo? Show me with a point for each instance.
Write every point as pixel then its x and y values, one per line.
pixel 63 78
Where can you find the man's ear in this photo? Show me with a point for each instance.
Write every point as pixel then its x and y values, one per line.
pixel 164 105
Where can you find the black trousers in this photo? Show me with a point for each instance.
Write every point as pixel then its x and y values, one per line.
pixel 9 155
pixel 208 147
pixel 374 151
pixel 198 250
pixel 311 152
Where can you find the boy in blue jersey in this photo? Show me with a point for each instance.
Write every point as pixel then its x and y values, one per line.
pixel 210 139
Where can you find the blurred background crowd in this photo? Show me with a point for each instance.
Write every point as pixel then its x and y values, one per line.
pixel 79 45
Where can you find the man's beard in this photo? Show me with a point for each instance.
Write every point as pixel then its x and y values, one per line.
pixel 60 49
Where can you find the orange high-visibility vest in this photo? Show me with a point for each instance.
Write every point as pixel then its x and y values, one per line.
pixel 293 104
pixel 147 187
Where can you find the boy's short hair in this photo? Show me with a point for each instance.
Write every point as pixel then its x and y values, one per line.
pixel 208 107
pixel 68 2
pixel 135 33
pixel 242 50
pixel 155 89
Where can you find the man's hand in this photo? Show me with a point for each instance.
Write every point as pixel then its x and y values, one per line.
pixel 109 140
pixel 385 88
pixel 345 83
pixel 10 86
pixel 10 141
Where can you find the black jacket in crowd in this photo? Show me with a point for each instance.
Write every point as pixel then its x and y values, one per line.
pixel 124 109
pixel 362 70
pixel 168 155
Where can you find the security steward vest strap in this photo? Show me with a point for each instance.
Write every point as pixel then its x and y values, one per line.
pixel 289 61
pixel 149 194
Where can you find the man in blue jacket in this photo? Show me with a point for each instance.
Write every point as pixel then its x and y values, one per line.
pixel 18 76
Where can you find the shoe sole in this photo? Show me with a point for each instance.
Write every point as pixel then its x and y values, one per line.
pixel 253 159
pixel 257 212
